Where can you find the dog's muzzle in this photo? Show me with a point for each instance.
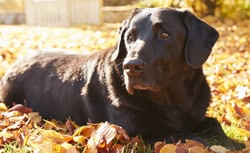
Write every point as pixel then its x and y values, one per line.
pixel 133 67
pixel 134 71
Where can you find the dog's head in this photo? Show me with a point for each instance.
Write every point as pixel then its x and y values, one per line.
pixel 156 44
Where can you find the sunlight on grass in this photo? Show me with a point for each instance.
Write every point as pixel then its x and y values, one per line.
pixel 15 148
pixel 236 133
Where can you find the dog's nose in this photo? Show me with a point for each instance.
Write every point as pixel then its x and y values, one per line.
pixel 133 67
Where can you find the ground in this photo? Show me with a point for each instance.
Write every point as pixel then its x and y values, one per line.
pixel 227 70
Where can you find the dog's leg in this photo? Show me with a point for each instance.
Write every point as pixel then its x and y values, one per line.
pixel 8 93
pixel 210 129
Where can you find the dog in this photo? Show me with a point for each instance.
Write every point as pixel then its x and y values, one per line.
pixel 151 83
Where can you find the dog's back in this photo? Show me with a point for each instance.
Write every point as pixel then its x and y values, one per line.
pixel 50 81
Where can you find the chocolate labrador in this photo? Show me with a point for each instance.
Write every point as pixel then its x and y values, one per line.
pixel 152 83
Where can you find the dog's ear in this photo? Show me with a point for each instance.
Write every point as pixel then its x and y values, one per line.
pixel 121 50
pixel 200 39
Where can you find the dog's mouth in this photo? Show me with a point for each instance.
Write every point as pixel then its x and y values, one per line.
pixel 135 83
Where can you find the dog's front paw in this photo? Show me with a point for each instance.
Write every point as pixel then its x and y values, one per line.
pixel 232 144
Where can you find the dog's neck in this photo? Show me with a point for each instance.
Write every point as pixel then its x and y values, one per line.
pixel 169 93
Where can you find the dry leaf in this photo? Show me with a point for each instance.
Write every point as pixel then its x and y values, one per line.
pixel 102 137
pixel 219 149
pixel 72 150
pixel 198 149
pixel 168 148
pixel 70 126
pixel 227 71
pixel 85 131
pixel 20 108
pixel 3 107
pixel 45 147
pixel 80 139
pixel 191 143
pixel 158 145
pixel 35 117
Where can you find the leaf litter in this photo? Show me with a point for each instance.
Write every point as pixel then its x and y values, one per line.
pixel 227 71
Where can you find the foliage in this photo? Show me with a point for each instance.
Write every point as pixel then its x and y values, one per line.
pixel 237 9
pixel 15 148
pixel 24 131
pixel 233 9
pixel 227 71
pixel 11 5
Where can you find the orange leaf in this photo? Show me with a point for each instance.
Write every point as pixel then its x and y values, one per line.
pixel 168 148
pixel 85 131
pixel 158 145
pixel 20 108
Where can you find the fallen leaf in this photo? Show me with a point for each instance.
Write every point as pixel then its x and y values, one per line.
pixel 182 149
pixel 72 150
pixel 80 139
pixel 20 108
pixel 219 149
pixel 35 117
pixel 168 148
pixel 102 137
pixel 70 126
pixel 3 107
pixel 198 149
pixel 191 143
pixel 227 71
pixel 45 147
pixel 158 145
pixel 85 131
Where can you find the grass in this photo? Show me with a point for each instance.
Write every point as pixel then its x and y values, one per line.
pixel 15 148
pixel 136 148
pixel 234 132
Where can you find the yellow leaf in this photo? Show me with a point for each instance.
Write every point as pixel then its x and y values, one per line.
pixel 49 147
pixel 80 139
pixel 12 114
pixel 169 148
pixel 66 145
pixel 53 136
pixel 86 131
pixel 45 147
pixel 49 125
pixel 3 107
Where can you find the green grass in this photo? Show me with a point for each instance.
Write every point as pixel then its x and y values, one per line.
pixel 236 133
pixel 136 148
pixel 14 148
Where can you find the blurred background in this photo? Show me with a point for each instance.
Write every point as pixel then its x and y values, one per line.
pixel 76 12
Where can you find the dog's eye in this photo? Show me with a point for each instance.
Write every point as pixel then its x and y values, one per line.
pixel 163 36
pixel 130 38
